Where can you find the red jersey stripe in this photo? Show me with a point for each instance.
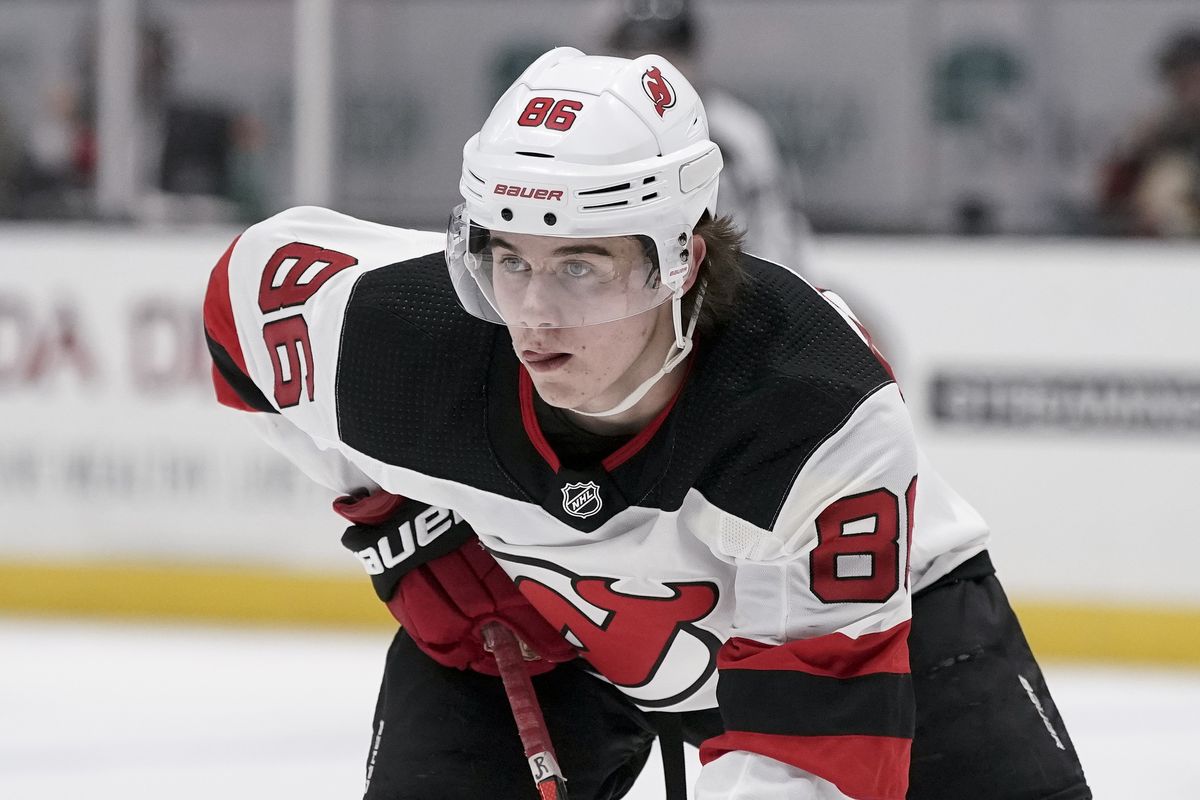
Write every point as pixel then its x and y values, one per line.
pixel 226 394
pixel 834 655
pixel 532 429
pixel 218 310
pixel 863 767
pixel 220 327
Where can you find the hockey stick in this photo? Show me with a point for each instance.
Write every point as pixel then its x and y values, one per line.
pixel 531 725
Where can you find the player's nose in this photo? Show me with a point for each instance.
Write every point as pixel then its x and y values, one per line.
pixel 540 305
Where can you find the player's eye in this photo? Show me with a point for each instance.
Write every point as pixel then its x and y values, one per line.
pixel 512 264
pixel 577 269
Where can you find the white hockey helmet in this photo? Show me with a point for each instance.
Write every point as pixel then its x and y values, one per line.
pixel 586 147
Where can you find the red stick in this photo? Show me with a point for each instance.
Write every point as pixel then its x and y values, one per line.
pixel 531 725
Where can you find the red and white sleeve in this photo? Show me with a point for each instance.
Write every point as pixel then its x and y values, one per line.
pixel 814 687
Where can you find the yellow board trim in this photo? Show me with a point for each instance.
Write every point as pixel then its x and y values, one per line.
pixel 1138 634
pixel 197 593
pixel 225 594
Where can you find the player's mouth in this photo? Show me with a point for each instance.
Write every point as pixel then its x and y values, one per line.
pixel 538 361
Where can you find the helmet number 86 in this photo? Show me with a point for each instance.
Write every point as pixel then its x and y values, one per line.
pixel 557 116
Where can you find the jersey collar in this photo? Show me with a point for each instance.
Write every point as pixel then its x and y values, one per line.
pixel 537 438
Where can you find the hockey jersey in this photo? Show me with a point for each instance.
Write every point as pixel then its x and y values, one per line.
pixel 753 548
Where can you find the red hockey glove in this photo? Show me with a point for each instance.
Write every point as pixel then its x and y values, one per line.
pixel 445 602
pixel 443 599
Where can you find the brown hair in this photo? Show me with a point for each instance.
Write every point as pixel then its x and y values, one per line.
pixel 721 269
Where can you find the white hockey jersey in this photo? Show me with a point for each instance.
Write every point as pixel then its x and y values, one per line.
pixel 754 547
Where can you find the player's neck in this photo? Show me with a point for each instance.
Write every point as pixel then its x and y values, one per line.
pixel 640 414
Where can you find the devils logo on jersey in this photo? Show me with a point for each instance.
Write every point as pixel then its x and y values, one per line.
pixel 658 89
pixel 648 645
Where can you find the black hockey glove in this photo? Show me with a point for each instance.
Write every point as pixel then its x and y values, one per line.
pixel 393 535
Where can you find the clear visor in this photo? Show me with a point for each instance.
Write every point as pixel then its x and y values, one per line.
pixel 530 281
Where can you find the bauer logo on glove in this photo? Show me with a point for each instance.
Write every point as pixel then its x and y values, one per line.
pixel 393 535
pixel 406 539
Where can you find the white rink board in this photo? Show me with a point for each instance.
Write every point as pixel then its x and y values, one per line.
pixel 114 448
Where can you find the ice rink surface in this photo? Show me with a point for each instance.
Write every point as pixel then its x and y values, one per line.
pixel 113 711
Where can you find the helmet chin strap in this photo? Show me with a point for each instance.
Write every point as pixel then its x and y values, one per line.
pixel 675 356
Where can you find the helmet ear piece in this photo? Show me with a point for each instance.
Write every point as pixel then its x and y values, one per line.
pixel 477 239
pixel 650 252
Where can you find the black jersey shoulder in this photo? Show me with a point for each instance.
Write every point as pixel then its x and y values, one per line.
pixel 780 377
pixel 412 371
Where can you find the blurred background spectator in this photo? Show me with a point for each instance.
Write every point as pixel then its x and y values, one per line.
pixel 752 184
pixel 194 160
pixel 10 164
pixel 1152 186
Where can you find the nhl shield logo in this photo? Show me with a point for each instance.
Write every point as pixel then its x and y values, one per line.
pixel 581 499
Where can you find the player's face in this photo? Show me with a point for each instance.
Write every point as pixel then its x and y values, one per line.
pixel 589 367
pixel 558 282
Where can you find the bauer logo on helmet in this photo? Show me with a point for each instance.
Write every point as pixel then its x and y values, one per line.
pixel 528 192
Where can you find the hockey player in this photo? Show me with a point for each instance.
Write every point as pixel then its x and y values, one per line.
pixel 681 474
